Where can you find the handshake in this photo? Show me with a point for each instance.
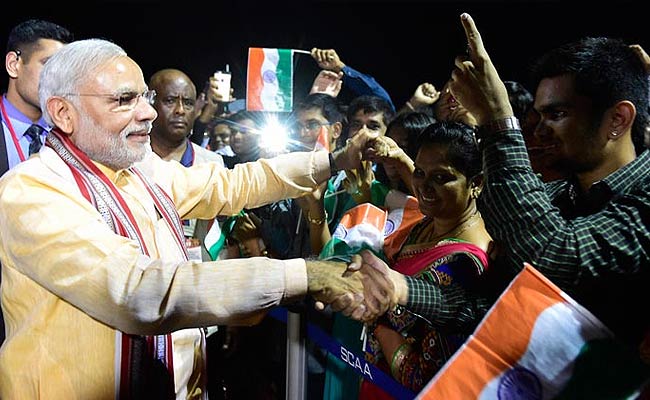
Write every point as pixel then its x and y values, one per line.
pixel 363 290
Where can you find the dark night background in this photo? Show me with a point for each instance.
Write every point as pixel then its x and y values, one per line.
pixel 400 43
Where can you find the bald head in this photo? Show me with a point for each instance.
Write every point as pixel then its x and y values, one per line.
pixel 175 103
pixel 166 77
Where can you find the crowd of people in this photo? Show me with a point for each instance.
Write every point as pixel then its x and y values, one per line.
pixel 147 229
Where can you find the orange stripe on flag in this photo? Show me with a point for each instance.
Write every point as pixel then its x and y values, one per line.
pixel 254 83
pixel 366 213
pixel 410 215
pixel 507 327
pixel 323 140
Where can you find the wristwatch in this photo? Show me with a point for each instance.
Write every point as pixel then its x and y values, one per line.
pixel 500 125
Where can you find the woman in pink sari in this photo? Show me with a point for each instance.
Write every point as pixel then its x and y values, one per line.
pixel 448 246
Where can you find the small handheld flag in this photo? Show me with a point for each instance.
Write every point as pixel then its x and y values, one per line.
pixel 323 140
pixel 269 85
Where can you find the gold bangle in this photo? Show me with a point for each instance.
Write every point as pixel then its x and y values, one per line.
pixel 316 221
pixel 397 361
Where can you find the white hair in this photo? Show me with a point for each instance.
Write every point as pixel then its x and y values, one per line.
pixel 70 66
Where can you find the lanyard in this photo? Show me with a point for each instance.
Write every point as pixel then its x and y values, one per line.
pixel 5 116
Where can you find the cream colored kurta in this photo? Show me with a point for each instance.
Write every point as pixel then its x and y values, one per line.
pixel 69 282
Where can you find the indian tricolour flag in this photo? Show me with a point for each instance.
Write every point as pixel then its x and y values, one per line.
pixel 380 229
pixel 403 214
pixel 215 238
pixel 270 80
pixel 322 140
pixel 361 227
pixel 538 343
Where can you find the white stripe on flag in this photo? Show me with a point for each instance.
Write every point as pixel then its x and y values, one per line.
pixel 271 86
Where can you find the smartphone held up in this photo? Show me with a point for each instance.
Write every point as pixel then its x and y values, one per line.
pixel 223 83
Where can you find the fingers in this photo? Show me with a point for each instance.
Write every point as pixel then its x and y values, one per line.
pixel 462 63
pixel 375 296
pixel 473 36
pixel 358 312
pixel 351 306
pixel 349 157
pixel 429 90
pixel 317 54
pixel 339 84
pixel 355 265
pixel 378 289
pixel 323 56
pixel 348 303
pixel 324 73
pixel 372 260
pixel 319 305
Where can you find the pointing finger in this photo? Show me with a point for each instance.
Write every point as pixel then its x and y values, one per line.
pixel 473 36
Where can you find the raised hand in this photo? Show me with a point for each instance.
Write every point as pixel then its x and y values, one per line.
pixel 350 156
pixel 425 95
pixel 327 59
pixel 327 82
pixel 475 81
pixel 247 235
pixel 313 200
pixel 397 164
pixel 359 181
pixel 211 101
pixel 213 94
pixel 385 150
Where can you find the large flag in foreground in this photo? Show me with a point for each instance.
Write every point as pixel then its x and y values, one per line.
pixel 269 85
pixel 538 343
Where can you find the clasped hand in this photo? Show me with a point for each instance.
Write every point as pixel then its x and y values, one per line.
pixel 364 290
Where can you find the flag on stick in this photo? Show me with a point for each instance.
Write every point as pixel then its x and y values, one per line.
pixel 270 80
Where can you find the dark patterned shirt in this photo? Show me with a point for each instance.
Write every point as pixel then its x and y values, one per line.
pixel 595 246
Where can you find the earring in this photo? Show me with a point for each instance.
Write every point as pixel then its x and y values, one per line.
pixel 614 133
pixel 475 192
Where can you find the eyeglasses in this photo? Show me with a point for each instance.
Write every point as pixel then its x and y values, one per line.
pixel 125 101
pixel 311 126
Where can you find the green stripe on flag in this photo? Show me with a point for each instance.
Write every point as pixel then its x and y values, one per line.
pixel 284 74
pixel 224 231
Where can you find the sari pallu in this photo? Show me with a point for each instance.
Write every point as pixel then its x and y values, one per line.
pixel 449 261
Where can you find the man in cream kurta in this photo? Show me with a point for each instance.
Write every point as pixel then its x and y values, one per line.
pixel 70 284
